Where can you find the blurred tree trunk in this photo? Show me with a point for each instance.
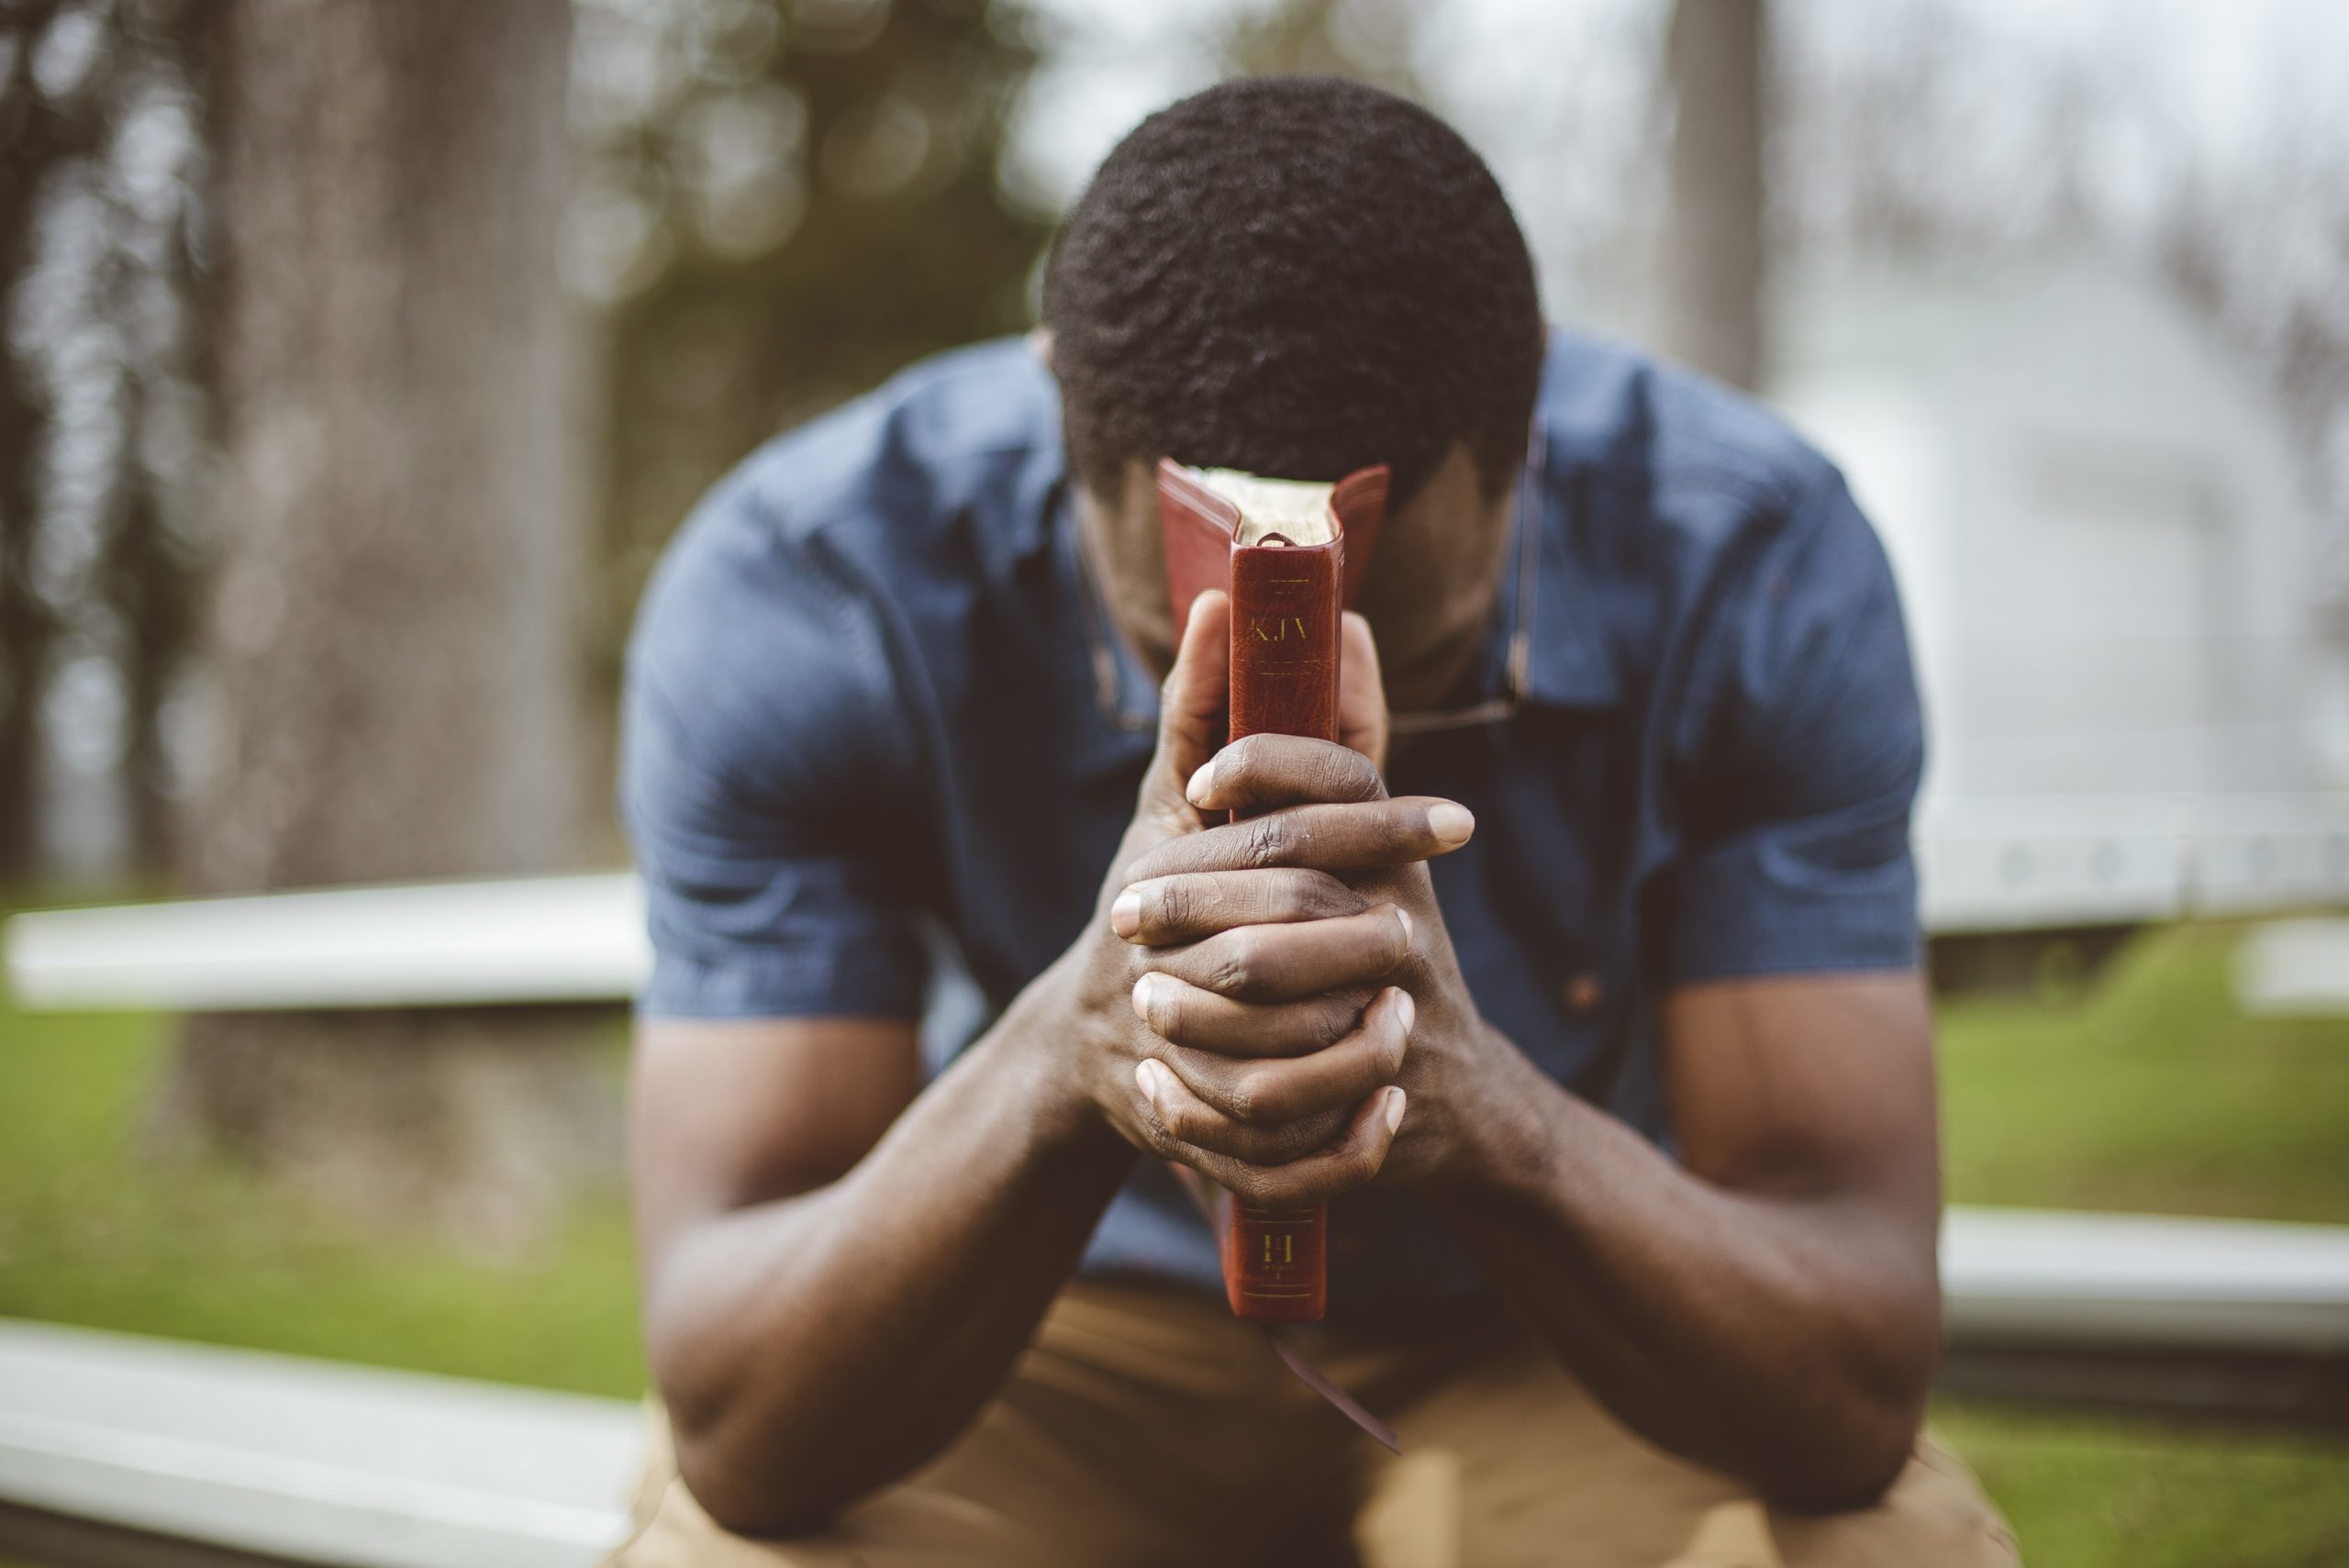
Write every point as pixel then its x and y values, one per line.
pixel 96 417
pixel 32 139
pixel 391 639
pixel 1713 262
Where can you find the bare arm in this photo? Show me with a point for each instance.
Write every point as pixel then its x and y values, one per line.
pixel 840 1267
pixel 1770 1305
pixel 831 1287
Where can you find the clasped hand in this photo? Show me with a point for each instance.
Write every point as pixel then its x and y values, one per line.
pixel 1265 997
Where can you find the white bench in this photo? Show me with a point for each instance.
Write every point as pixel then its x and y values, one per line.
pixel 318 1463
pixel 1985 866
pixel 2294 969
pixel 305 1460
pixel 2087 1280
pixel 558 938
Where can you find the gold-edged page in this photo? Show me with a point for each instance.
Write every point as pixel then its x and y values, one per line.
pixel 1297 509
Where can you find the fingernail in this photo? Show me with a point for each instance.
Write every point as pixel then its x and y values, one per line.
pixel 1394 1108
pixel 1145 989
pixel 1410 932
pixel 1408 1008
pixel 1125 915
pixel 1451 823
pixel 1147 1073
pixel 1196 792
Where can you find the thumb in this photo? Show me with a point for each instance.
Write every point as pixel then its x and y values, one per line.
pixel 1192 703
pixel 1362 692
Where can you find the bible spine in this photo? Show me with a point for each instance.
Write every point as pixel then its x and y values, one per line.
pixel 1285 628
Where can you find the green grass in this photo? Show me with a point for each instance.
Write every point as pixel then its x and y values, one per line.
pixel 2149 1092
pixel 92 1233
pixel 2096 1492
pixel 2146 1092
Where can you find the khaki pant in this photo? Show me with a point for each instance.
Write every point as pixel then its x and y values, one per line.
pixel 1147 1428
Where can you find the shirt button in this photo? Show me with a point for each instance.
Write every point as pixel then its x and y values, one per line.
pixel 1584 993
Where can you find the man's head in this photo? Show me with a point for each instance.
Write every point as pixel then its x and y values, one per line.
pixel 1300 276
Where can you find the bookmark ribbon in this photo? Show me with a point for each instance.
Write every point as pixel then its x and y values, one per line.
pixel 1345 1404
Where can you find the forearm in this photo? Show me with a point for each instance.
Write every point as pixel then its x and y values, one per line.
pixel 1786 1337
pixel 816 1347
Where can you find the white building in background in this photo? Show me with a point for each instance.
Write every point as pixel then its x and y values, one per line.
pixel 2131 667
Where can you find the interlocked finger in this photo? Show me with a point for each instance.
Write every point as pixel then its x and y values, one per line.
pixel 1356 836
pixel 1183 1015
pixel 1351 1161
pixel 1223 1102
pixel 1188 1123
pixel 1166 910
pixel 1275 963
pixel 1260 772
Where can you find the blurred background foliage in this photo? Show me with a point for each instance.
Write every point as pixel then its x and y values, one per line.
pixel 735 160
pixel 742 162
pixel 101 415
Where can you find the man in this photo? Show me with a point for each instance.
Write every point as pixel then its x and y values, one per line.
pixel 1595 1010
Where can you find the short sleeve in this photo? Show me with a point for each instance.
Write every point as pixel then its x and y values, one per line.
pixel 765 774
pixel 1805 754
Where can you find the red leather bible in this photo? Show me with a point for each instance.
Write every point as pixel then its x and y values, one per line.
pixel 1291 554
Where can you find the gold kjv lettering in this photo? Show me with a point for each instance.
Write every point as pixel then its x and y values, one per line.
pixel 1278 628
pixel 1288 1248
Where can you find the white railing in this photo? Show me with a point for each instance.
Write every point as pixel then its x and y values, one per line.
pixel 305 1460
pixel 1984 866
pixel 564 938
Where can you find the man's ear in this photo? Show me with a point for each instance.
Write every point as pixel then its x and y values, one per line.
pixel 1039 343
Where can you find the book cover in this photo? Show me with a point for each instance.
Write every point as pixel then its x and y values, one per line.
pixel 1291 555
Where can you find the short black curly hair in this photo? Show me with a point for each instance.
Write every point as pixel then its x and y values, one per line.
pixel 1295 277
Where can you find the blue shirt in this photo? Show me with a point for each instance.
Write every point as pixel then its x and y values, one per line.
pixel 879 745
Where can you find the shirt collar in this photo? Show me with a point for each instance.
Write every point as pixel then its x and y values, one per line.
pixel 1569 662
pixel 1119 728
pixel 1572 661
pixel 1038 492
